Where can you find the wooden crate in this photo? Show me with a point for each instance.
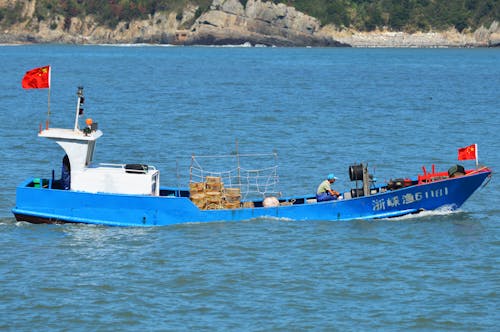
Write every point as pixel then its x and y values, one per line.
pixel 199 200
pixel 232 205
pixel 232 195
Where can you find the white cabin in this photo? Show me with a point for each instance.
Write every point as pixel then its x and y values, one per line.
pixel 102 178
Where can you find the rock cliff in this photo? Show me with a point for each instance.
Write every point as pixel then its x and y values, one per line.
pixel 227 22
pixel 266 23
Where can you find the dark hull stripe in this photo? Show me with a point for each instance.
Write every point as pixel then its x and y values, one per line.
pixel 38 220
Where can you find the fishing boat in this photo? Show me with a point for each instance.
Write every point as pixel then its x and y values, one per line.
pixel 131 195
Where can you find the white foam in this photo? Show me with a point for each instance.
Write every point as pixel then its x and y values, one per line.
pixel 137 45
pixel 442 211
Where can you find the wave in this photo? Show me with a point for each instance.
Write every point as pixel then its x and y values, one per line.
pixel 244 45
pixel 7 220
pixel 442 211
pixel 137 45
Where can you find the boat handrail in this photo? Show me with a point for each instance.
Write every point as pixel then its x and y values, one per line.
pixel 111 165
pixel 273 154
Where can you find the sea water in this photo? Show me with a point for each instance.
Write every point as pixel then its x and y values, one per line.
pixel 320 110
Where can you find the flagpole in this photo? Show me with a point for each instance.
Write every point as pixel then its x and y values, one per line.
pixel 48 102
pixel 48 109
pixel 477 161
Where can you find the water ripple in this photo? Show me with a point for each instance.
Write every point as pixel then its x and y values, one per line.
pixel 321 110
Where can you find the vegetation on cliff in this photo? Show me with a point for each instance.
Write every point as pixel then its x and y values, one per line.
pixel 402 15
pixel 363 15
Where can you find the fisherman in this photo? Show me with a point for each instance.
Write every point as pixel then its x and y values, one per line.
pixel 325 192
pixel 88 129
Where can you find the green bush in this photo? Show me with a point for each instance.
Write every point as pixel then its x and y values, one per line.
pixel 10 15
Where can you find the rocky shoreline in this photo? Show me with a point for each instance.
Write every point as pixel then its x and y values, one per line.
pixel 439 39
pixel 228 22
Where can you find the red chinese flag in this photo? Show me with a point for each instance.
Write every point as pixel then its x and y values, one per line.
pixel 38 78
pixel 467 153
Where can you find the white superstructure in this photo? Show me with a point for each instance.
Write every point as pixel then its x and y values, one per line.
pixel 79 146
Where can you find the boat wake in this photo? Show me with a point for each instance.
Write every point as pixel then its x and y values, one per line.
pixel 271 218
pixel 442 211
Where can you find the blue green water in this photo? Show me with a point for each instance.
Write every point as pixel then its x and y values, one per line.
pixel 321 110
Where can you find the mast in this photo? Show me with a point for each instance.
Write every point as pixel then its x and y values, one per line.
pixel 79 102
pixel 366 180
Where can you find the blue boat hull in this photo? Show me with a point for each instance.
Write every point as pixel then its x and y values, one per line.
pixel 43 205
